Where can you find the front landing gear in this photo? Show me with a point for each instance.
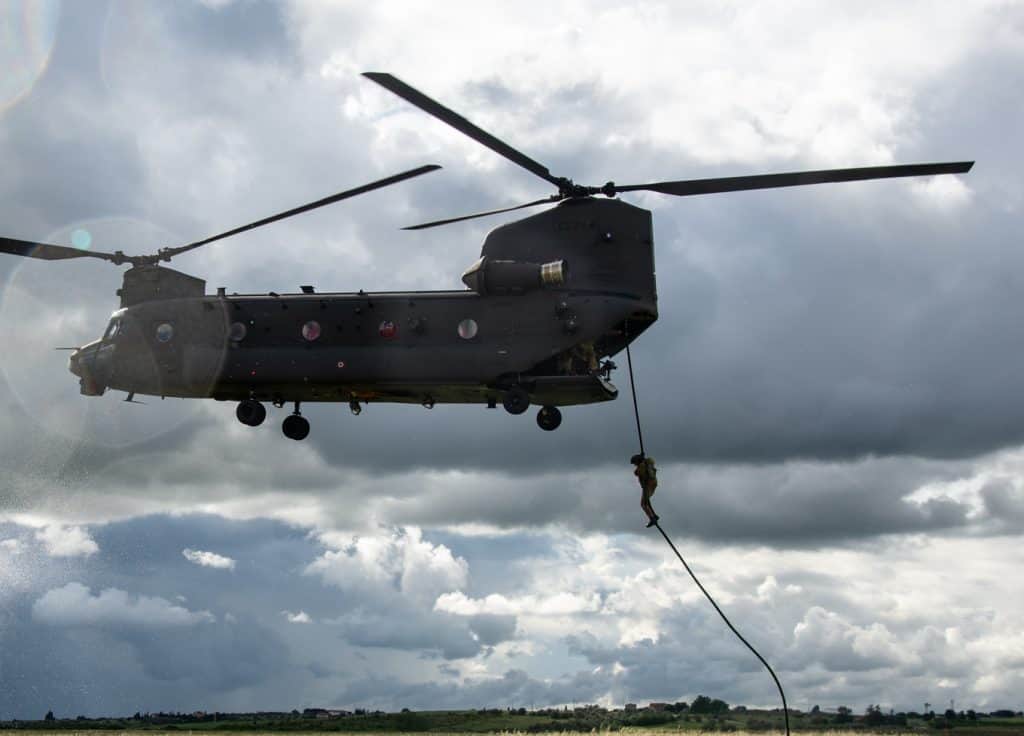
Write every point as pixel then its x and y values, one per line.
pixel 516 400
pixel 549 418
pixel 295 426
pixel 251 413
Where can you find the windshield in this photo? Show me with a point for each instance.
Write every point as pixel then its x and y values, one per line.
pixel 113 328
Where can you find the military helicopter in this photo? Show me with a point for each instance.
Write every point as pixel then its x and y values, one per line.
pixel 551 299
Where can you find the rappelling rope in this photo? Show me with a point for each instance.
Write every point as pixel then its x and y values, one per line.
pixel 640 436
pixel 636 409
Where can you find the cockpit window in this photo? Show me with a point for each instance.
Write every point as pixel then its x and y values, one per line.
pixel 112 329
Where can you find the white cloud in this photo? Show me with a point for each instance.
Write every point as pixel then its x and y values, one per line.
pixel 557 604
pixel 66 541
pixel 208 559
pixel 400 561
pixel 75 605
pixel 828 638
pixel 301 617
pixel 10 546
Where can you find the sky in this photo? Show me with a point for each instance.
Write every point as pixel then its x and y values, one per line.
pixel 833 391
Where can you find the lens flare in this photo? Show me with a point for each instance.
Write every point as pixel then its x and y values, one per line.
pixel 81 239
pixel 28 29
pixel 44 305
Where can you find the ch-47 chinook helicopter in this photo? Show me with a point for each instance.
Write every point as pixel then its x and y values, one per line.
pixel 551 297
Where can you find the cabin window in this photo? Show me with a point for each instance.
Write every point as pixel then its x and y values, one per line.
pixel 468 329
pixel 164 332
pixel 311 330
pixel 237 331
pixel 387 329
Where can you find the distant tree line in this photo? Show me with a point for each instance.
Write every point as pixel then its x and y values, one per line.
pixel 704 713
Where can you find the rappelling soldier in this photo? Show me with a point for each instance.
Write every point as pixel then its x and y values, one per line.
pixel 647 475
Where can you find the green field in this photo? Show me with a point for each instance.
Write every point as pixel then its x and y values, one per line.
pixel 590 719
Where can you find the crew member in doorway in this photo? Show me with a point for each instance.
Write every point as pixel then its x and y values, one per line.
pixel 579 360
pixel 587 357
pixel 647 475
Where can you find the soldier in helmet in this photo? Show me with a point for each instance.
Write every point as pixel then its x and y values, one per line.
pixel 647 475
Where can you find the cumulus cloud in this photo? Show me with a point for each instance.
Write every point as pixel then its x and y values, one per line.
pixel 208 559
pixel 838 645
pixel 66 541
pixel 556 604
pixel 299 617
pixel 75 605
pixel 10 546
pixel 401 562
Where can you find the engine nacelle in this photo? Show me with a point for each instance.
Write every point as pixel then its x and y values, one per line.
pixel 504 278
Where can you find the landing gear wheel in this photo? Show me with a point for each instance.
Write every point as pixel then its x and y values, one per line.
pixel 295 427
pixel 251 412
pixel 549 418
pixel 516 400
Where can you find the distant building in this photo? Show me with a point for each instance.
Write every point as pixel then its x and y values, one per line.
pixel 657 706
pixel 630 708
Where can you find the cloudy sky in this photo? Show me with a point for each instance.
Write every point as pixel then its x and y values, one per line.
pixel 833 391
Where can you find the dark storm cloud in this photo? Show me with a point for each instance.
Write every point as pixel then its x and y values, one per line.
pixel 830 323
pixel 249 29
pixel 91 671
pixel 493 629
pixel 431 634
pixel 68 156
pixel 1004 504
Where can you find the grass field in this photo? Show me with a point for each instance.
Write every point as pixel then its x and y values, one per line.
pixel 625 731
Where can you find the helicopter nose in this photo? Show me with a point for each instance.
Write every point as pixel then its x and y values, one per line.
pixel 75 362
pixel 89 364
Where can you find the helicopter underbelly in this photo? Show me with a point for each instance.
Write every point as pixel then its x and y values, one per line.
pixel 553 390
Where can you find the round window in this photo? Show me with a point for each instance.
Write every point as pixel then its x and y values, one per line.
pixel 164 332
pixel 387 329
pixel 311 330
pixel 467 329
pixel 237 332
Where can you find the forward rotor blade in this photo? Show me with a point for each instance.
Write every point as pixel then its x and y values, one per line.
pixel 546 200
pixel 794 179
pixel 48 252
pixel 439 111
pixel 167 253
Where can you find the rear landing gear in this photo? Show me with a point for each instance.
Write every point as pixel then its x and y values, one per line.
pixel 549 418
pixel 251 412
pixel 295 426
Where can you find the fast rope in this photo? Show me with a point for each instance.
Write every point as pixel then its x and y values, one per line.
pixel 640 437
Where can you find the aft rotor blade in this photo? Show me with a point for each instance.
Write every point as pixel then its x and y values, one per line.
pixel 794 179
pixel 167 253
pixel 439 111
pixel 49 252
pixel 546 200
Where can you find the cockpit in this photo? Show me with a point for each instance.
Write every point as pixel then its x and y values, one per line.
pixel 114 327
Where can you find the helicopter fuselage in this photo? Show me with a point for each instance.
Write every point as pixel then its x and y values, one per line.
pixel 426 347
